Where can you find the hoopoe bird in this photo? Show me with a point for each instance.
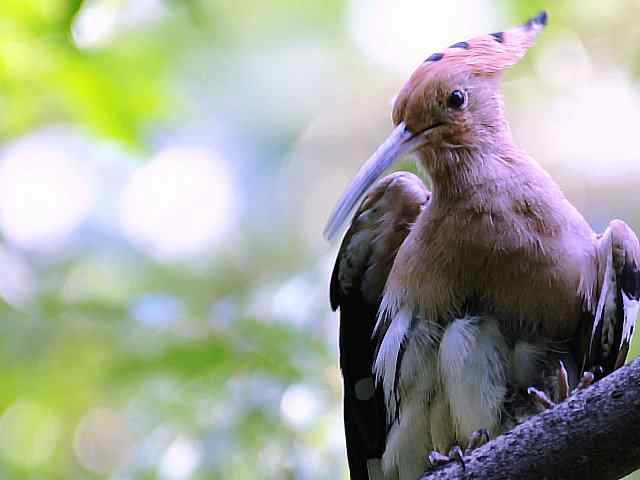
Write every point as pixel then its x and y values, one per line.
pixel 458 301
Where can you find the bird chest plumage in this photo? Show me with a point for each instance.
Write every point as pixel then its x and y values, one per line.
pixel 464 257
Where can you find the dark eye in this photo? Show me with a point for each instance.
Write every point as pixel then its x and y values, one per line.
pixel 456 99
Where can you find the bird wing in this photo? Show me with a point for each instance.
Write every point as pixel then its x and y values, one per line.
pixel 619 299
pixel 379 226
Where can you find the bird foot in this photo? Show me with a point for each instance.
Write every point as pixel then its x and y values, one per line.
pixel 586 381
pixel 589 377
pixel 436 459
pixel 457 455
pixel 476 440
pixel 542 400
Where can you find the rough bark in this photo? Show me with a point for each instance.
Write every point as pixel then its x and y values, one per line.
pixel 595 434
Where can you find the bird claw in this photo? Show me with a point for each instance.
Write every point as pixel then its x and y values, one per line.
pixel 586 381
pixel 436 459
pixel 476 440
pixel 589 377
pixel 540 398
pixel 457 455
pixel 563 382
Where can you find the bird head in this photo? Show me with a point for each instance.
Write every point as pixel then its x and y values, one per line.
pixel 452 100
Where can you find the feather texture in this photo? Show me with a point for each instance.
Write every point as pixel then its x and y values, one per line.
pixel 619 299
pixel 379 225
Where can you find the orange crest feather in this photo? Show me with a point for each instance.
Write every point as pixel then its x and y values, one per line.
pixel 483 55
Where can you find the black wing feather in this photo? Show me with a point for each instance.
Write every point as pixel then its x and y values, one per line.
pixel 619 298
pixel 384 218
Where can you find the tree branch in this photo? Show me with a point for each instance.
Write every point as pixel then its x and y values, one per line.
pixel 595 434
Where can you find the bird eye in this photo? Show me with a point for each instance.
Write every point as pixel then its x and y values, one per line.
pixel 457 99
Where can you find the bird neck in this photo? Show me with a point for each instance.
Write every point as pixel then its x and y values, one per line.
pixel 463 172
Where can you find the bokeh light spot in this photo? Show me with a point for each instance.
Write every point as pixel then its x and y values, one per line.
pixel 102 441
pixel 299 406
pixel 99 21
pixel 17 280
pixel 400 34
pixel 28 434
pixel 44 195
pixel 95 24
pixel 181 459
pixel 157 310
pixel 178 204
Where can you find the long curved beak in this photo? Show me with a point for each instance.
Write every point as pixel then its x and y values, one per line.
pixel 400 142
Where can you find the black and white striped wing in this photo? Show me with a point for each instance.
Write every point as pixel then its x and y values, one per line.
pixel 619 299
pixel 380 225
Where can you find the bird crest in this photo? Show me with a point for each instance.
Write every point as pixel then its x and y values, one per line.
pixel 483 55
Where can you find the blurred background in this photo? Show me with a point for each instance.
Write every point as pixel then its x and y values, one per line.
pixel 166 169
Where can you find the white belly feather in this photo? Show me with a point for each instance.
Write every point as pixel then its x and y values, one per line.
pixel 441 385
